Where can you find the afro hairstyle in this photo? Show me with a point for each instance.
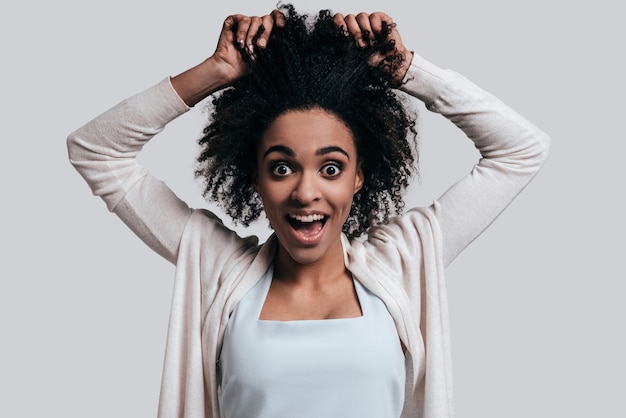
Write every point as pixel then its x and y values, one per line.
pixel 310 63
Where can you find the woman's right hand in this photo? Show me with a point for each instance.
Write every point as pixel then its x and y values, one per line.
pixel 226 65
pixel 238 36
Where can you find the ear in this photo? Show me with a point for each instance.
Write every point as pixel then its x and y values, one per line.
pixel 358 179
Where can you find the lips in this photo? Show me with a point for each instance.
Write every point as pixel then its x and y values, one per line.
pixel 307 228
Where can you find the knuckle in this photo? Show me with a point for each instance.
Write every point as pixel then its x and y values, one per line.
pixel 381 17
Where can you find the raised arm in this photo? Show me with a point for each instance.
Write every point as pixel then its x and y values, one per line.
pixel 512 152
pixel 104 150
pixel 240 34
pixel 512 149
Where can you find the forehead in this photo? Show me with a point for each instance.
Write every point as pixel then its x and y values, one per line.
pixel 308 130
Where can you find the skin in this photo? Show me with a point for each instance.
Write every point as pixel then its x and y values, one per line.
pixel 226 66
pixel 307 167
pixel 308 173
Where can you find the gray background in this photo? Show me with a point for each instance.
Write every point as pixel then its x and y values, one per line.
pixel 536 302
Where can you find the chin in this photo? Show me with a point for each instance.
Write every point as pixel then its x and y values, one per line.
pixel 305 256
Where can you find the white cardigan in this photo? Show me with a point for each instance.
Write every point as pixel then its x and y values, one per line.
pixel 401 262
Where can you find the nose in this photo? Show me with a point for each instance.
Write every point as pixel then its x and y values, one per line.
pixel 306 189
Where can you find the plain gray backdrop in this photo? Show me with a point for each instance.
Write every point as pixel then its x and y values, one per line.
pixel 536 302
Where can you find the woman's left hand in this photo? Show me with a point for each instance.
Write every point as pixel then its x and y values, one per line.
pixel 365 23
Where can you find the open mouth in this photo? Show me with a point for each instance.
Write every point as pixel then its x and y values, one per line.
pixel 307 224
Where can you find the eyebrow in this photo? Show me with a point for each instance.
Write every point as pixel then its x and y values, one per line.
pixel 290 153
pixel 328 150
pixel 280 148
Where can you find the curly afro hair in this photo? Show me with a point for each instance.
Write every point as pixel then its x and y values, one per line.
pixel 307 64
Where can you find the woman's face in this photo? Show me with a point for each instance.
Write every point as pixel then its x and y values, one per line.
pixel 307 176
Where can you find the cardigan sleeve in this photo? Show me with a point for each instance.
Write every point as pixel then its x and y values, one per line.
pixel 104 152
pixel 512 152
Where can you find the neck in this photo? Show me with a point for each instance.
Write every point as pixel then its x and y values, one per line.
pixel 326 269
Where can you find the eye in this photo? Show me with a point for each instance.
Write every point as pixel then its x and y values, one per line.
pixel 281 169
pixel 332 169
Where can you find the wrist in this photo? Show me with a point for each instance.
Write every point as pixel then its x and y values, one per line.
pixel 202 80
pixel 403 68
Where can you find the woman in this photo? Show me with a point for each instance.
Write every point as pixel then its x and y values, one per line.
pixel 319 320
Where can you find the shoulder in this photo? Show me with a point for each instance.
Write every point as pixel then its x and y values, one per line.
pixel 204 228
pixel 207 241
pixel 411 231
pixel 404 242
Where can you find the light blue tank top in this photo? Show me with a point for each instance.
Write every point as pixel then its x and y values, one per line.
pixel 350 367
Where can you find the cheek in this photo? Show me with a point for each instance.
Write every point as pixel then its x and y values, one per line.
pixel 272 194
pixel 342 195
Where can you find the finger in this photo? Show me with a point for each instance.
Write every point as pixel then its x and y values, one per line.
pixel 376 21
pixel 253 29
pixel 340 22
pixel 228 29
pixel 263 35
pixel 278 17
pixel 241 25
pixel 363 19
pixel 275 18
pixel 355 30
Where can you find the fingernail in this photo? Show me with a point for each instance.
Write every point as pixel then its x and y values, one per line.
pixel 262 43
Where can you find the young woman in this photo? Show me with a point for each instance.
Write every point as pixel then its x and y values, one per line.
pixel 342 311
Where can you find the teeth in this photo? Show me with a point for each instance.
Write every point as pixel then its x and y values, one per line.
pixel 307 218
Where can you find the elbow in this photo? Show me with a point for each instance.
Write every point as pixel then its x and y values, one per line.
pixel 79 150
pixel 73 148
pixel 543 148
pixel 529 159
